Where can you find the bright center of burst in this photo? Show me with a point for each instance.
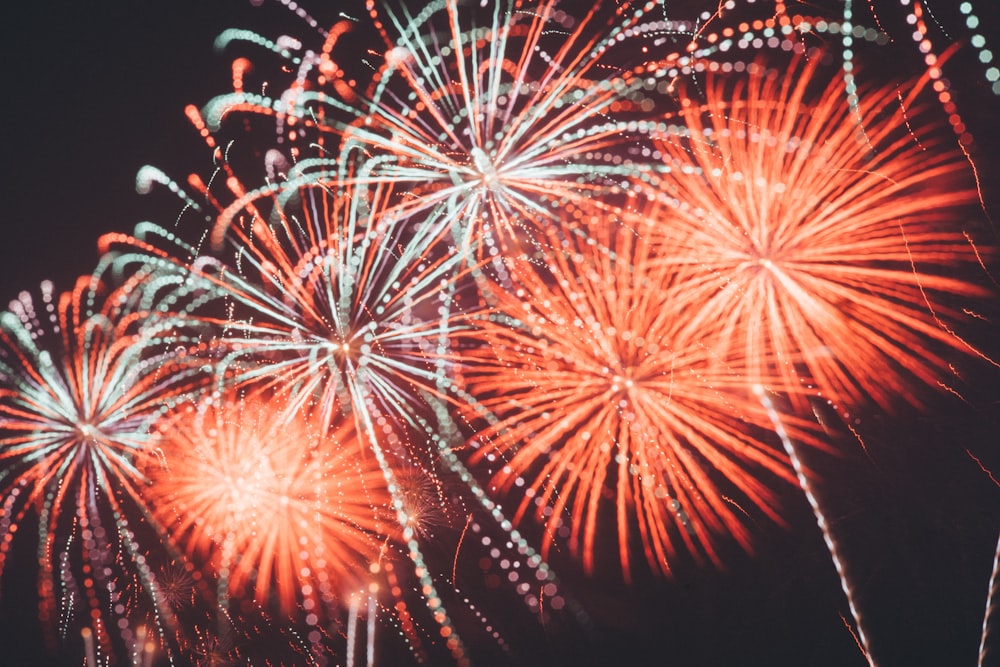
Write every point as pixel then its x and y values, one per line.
pixel 339 346
pixel 88 432
pixel 486 169
pixel 762 257
pixel 623 381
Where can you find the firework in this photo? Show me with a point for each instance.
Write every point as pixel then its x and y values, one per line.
pixel 813 255
pixel 333 304
pixel 517 266
pixel 592 394
pixel 271 499
pixel 352 313
pixel 81 386
pixel 336 304
pixel 501 117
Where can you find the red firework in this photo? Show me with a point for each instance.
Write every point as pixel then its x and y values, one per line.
pixel 595 400
pixel 817 241
pixel 271 500
pixel 81 385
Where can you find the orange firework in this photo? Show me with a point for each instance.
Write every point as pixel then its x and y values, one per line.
pixel 271 500
pixel 818 248
pixel 595 403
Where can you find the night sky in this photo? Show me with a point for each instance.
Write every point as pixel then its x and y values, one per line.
pixel 94 91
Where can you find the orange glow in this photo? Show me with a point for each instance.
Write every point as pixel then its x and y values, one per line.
pixel 269 499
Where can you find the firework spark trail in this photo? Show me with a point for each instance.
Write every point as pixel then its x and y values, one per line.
pixel 978 42
pixel 445 436
pixel 250 635
pixel 370 641
pixel 933 62
pixel 803 245
pixel 80 389
pixel 89 649
pixel 352 629
pixel 583 369
pixel 990 605
pixel 367 413
pixel 831 545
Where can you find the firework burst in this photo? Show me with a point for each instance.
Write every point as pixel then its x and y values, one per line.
pixel 592 395
pixel 80 389
pixel 812 255
pixel 337 306
pixel 271 500
pixel 500 116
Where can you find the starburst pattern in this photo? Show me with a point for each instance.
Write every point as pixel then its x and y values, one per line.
pixel 501 116
pixel 339 308
pixel 596 395
pixel 272 500
pixel 815 255
pixel 81 386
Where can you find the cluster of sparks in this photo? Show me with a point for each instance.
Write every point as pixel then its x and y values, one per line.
pixel 552 261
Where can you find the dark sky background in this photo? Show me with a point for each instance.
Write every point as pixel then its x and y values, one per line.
pixel 93 91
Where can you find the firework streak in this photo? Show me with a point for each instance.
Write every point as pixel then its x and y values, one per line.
pixel 517 256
